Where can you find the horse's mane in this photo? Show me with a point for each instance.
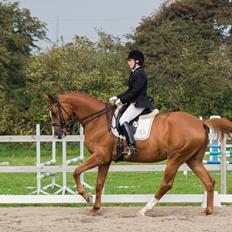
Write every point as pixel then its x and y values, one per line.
pixel 83 94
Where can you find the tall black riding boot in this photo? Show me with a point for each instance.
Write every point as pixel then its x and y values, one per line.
pixel 130 138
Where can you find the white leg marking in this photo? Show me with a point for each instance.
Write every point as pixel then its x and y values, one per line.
pixel 149 206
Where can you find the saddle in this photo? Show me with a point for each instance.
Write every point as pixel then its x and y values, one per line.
pixel 141 127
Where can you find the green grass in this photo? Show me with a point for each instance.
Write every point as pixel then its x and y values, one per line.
pixel 117 183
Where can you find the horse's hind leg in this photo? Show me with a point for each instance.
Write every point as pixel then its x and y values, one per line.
pixel 200 170
pixel 167 183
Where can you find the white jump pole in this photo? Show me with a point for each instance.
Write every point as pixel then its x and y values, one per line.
pixel 50 163
pixel 53 185
pixel 38 161
pixel 64 174
pixel 64 188
pixel 223 166
pixel 38 158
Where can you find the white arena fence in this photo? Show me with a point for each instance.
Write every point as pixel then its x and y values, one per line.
pixel 66 195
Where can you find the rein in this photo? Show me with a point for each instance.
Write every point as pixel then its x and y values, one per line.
pixel 96 115
pixel 66 127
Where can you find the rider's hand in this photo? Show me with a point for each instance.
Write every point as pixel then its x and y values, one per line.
pixel 112 100
pixel 118 103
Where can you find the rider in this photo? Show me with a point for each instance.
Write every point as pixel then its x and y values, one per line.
pixel 135 96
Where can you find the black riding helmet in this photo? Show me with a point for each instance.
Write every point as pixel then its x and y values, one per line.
pixel 136 55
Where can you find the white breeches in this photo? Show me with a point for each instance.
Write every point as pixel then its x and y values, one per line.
pixel 130 113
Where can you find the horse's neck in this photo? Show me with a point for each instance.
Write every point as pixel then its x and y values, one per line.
pixel 86 105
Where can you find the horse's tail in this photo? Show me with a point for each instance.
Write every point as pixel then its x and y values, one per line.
pixel 221 126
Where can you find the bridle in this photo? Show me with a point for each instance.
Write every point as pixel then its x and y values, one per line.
pixel 65 127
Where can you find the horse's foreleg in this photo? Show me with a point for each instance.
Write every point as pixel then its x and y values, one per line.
pixel 102 173
pixel 92 162
pixel 168 179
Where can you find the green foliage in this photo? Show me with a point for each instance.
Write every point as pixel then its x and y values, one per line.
pixel 18 33
pixel 97 68
pixel 188 61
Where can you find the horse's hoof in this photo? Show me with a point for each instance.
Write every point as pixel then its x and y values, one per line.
pixel 92 212
pixel 89 198
pixel 90 201
pixel 141 214
pixel 206 212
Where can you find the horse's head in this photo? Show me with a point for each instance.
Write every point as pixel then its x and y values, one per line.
pixel 60 113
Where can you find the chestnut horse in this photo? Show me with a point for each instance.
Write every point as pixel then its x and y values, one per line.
pixel 177 137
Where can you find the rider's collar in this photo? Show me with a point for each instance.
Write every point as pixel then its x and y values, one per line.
pixel 133 70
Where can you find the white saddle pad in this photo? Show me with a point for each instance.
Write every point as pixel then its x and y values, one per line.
pixel 143 125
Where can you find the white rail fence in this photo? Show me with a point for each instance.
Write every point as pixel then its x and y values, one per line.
pixel 49 168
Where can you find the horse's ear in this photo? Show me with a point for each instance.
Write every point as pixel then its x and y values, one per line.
pixel 49 98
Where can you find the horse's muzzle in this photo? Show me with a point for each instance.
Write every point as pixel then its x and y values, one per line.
pixel 58 132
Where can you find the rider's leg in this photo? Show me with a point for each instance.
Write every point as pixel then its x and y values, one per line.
pixel 129 138
pixel 130 113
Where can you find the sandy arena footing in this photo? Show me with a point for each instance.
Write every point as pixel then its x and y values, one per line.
pixel 111 219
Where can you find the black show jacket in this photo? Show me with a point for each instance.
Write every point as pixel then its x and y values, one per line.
pixel 137 90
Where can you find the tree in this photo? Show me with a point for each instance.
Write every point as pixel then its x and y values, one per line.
pixel 19 32
pixel 82 65
pixel 188 61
